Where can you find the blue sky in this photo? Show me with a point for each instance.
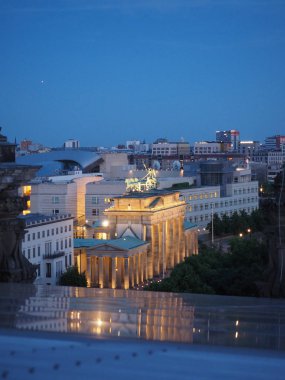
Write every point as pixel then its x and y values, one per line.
pixel 107 71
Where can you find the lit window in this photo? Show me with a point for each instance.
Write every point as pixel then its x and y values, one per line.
pixel 95 200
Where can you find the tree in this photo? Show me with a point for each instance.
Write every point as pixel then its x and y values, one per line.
pixel 212 272
pixel 72 277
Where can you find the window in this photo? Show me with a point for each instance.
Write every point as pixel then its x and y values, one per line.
pixel 69 227
pixel 29 237
pixel 95 211
pixel 65 229
pixel 56 231
pixel 34 251
pixel 70 242
pixel 34 236
pixel 57 246
pixel 29 253
pixel 48 248
pixel 52 231
pixel 61 229
pixel 47 232
pixel 39 270
pixel 55 200
pixel 58 268
pixel 39 235
pixel 43 234
pixel 48 270
pixel 61 244
pixel 39 250
pixel 55 211
pixel 65 243
pixel 95 200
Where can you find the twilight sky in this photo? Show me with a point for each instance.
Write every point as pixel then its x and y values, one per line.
pixel 107 71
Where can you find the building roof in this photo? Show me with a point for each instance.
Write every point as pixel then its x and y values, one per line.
pixel 189 225
pixel 125 243
pixel 53 161
pixel 32 219
pixel 147 194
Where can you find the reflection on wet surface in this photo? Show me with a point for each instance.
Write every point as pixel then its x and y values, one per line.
pixel 213 320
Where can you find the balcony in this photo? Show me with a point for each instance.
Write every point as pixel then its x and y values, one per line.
pixel 55 255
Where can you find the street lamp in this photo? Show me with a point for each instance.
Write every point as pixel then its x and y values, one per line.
pixel 241 235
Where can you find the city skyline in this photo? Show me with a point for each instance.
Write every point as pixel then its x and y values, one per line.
pixel 104 72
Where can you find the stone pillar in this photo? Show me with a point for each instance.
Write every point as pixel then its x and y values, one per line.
pixel 126 273
pixel 140 267
pixel 137 273
pixel 101 273
pixel 175 242
pixel 106 272
pixel 170 243
pixel 160 246
pixel 88 271
pixel 114 273
pixel 95 270
pixel 149 263
pixel 144 266
pixel 131 269
pixel 119 274
pixel 155 247
pixel 181 239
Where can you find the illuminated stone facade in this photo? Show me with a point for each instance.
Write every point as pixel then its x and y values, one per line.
pixel 149 238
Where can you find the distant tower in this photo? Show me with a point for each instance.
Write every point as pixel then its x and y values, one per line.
pixel 71 144
pixel 231 136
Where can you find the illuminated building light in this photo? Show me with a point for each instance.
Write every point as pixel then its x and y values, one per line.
pixel 105 223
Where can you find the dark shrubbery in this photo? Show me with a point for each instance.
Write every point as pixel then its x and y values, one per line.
pixel 212 272
pixel 73 278
pixel 237 223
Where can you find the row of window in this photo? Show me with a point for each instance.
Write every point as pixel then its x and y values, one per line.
pixel 44 233
pixel 95 200
pixel 245 191
pixel 203 196
pixel 207 217
pixel 221 204
pixel 36 251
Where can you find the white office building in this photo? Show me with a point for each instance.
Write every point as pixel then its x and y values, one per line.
pixel 48 243
pixel 240 195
